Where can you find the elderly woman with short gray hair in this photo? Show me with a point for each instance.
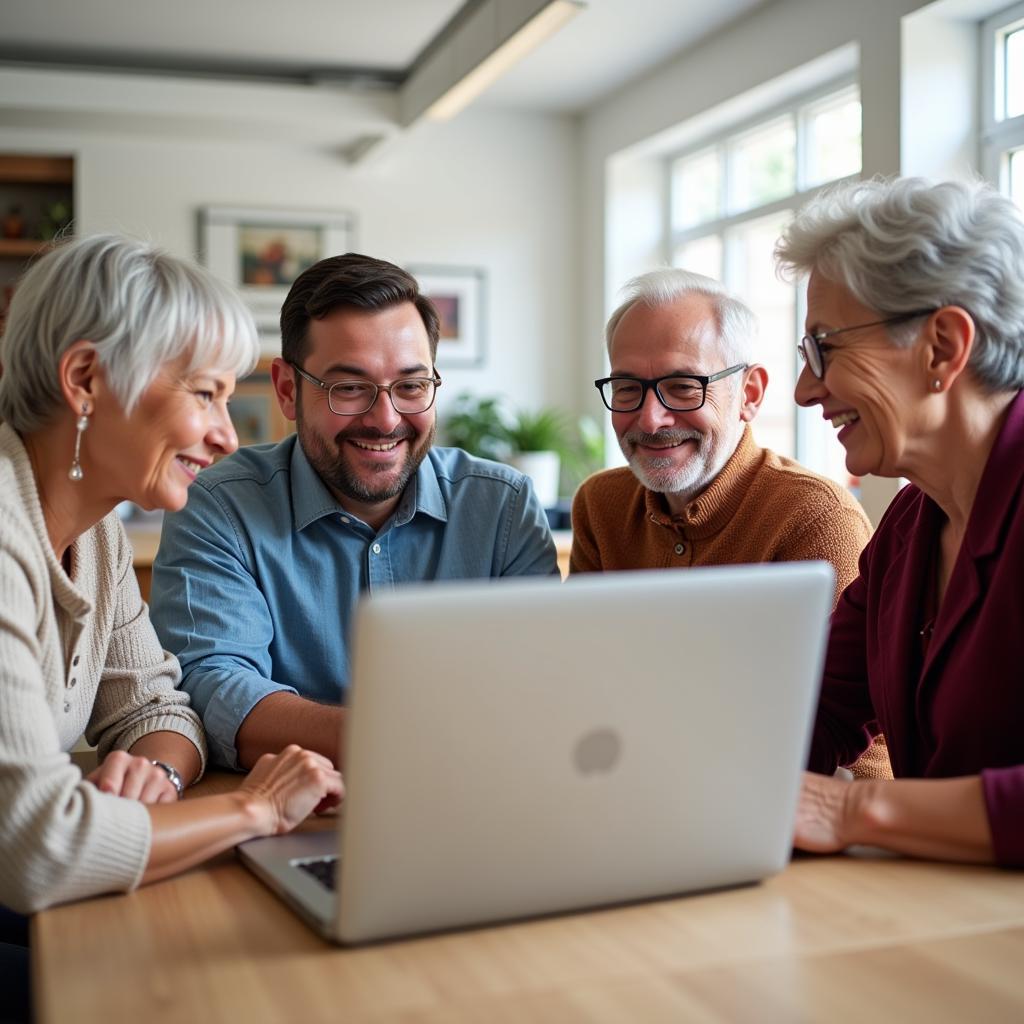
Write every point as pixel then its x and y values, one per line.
pixel 915 353
pixel 118 362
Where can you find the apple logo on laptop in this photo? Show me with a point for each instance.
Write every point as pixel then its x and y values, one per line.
pixel 597 751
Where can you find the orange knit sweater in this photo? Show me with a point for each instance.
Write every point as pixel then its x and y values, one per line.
pixel 760 508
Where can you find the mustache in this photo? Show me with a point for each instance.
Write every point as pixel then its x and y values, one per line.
pixel 375 436
pixel 662 437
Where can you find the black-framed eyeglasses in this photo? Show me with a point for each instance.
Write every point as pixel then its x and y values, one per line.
pixel 813 352
pixel 409 396
pixel 678 392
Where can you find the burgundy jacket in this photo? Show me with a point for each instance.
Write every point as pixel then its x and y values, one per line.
pixel 960 711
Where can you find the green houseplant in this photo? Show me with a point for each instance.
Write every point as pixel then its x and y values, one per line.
pixel 539 442
pixel 477 425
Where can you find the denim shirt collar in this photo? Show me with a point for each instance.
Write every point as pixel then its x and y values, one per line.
pixel 311 500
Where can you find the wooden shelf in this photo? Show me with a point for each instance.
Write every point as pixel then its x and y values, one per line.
pixel 21 248
pixel 37 170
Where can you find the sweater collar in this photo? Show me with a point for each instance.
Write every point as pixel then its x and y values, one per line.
pixel 711 510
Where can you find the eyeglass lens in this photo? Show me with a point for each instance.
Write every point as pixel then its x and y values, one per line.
pixel 680 394
pixel 353 397
pixel 811 354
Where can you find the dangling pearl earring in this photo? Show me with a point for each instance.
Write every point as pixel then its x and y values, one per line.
pixel 936 384
pixel 75 472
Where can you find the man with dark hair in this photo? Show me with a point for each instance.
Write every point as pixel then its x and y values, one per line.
pixel 257 577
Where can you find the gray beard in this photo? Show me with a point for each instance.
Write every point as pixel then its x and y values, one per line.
pixel 658 475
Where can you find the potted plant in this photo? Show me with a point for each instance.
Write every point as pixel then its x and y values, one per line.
pixel 538 441
pixel 477 425
pixel 535 442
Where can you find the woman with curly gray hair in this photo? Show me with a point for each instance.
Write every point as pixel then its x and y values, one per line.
pixel 915 353
pixel 117 365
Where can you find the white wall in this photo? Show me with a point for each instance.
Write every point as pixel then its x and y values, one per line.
pixel 491 189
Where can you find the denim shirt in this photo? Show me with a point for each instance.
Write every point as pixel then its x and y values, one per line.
pixel 257 578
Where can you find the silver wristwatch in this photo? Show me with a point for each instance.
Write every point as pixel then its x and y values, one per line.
pixel 172 774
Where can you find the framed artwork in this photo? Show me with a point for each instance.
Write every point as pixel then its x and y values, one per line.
pixel 459 293
pixel 254 410
pixel 261 252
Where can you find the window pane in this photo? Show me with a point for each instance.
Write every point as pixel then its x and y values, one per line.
pixel 1014 54
pixel 752 277
pixel 833 139
pixel 702 255
pixel 696 185
pixel 1017 177
pixel 762 165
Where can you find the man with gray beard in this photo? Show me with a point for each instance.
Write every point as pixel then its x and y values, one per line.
pixel 698 490
pixel 257 578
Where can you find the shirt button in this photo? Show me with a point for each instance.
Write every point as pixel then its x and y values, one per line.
pixel 346 520
pixel 680 549
pixel 376 549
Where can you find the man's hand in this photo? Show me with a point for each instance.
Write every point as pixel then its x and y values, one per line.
pixel 135 778
pixel 292 785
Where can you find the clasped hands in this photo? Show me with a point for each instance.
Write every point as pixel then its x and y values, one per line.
pixel 290 784
pixel 133 777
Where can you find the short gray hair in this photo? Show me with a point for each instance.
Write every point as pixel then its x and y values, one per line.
pixel 140 307
pixel 735 321
pixel 906 244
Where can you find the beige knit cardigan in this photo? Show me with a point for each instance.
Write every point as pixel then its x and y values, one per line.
pixel 76 654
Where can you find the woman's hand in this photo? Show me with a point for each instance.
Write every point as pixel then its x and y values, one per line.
pixel 293 784
pixel 134 778
pixel 822 814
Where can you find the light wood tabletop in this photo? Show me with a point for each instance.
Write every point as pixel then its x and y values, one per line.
pixel 836 939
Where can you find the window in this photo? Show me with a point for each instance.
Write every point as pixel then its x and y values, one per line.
pixel 1002 62
pixel 731 196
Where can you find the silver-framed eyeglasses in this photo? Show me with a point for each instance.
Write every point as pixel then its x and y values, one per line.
pixel 678 392
pixel 409 396
pixel 813 352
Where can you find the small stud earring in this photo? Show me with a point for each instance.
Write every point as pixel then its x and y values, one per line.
pixel 936 384
pixel 75 472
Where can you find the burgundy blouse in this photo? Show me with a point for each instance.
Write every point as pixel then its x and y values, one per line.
pixel 954 705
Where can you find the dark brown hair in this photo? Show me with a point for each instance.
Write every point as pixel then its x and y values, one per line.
pixel 354 281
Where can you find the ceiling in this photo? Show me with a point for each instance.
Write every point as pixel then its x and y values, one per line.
pixel 362 42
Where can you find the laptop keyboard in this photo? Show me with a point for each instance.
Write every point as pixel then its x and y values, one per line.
pixel 324 870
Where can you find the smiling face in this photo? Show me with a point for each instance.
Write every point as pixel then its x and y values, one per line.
pixel 179 426
pixel 873 393
pixel 366 461
pixel 676 453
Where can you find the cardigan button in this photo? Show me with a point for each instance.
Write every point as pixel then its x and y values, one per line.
pixel 680 549
pixel 73 681
pixel 67 706
pixel 75 660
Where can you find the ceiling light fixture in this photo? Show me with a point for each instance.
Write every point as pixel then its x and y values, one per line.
pixel 545 23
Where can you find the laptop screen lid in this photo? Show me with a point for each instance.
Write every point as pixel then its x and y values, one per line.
pixel 521 747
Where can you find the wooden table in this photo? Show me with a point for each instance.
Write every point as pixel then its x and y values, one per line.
pixel 831 939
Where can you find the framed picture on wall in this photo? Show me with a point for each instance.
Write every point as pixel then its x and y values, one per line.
pixel 261 252
pixel 459 293
pixel 256 416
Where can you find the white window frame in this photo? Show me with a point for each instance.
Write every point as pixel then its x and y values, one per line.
pixel 808 439
pixel 1000 135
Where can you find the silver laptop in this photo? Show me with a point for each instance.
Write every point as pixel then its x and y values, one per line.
pixel 517 748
